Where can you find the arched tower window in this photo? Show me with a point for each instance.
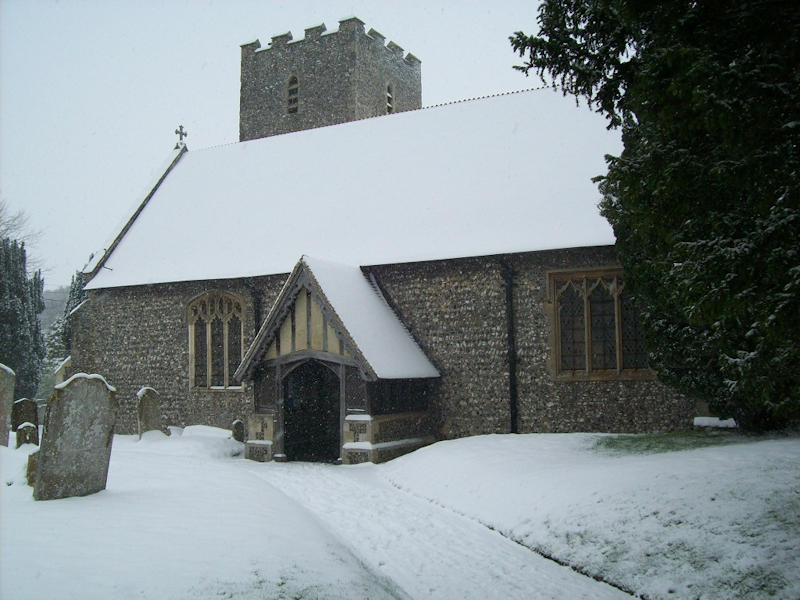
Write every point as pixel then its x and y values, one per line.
pixel 389 100
pixel 215 339
pixel 293 93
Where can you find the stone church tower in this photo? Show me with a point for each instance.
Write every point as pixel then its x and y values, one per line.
pixel 324 79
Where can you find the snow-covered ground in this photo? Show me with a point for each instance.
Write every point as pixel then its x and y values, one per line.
pixel 186 517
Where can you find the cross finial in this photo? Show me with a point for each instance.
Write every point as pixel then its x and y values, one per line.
pixel 181 133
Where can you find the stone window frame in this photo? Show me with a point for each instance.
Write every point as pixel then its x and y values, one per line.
pixel 585 282
pixel 211 305
pixel 389 98
pixel 292 95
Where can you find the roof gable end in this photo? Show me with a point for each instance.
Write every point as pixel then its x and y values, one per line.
pixel 304 320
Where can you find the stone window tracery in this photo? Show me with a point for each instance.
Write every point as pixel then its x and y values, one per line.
pixel 597 334
pixel 215 340
pixel 293 94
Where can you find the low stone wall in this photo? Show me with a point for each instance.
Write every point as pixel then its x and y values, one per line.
pixel 260 437
pixel 384 437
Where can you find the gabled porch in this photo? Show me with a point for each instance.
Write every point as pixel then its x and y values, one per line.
pixel 336 375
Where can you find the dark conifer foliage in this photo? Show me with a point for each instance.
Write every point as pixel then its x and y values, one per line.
pixel 705 198
pixel 77 294
pixel 21 301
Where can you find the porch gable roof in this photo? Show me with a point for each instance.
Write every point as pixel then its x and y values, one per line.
pixel 357 312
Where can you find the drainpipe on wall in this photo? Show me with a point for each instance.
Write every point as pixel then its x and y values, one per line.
pixel 508 273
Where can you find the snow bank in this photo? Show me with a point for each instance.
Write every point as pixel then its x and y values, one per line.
pixel 716 522
pixel 182 519
pixel 714 422
pixel 171 524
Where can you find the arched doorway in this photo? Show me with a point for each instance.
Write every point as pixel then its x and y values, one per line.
pixel 311 413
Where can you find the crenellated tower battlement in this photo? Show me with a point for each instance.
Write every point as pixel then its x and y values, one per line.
pixel 323 79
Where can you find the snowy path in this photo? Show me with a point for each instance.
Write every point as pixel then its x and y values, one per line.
pixel 178 521
pixel 186 517
pixel 426 550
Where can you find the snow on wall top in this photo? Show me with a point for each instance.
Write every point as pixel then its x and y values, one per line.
pixel 380 336
pixel 508 173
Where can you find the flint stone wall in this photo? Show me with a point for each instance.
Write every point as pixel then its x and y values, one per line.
pixel 456 309
pixel 342 76
pixel 7 379
pixel 76 446
pixel 139 337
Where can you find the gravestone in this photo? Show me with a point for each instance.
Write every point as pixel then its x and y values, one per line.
pixel 149 411
pixel 237 427
pixel 27 433
pixel 24 411
pixel 76 445
pixel 7 378
pixel 30 471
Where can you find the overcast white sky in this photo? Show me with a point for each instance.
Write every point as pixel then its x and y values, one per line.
pixel 91 91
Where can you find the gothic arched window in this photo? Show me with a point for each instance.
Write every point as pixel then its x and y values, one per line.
pixel 215 339
pixel 389 100
pixel 596 328
pixel 293 94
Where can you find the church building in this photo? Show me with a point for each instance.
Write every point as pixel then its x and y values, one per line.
pixel 360 275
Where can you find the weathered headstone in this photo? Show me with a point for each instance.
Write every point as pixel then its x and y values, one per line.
pixel 237 427
pixel 24 411
pixel 27 433
pixel 30 471
pixel 76 445
pixel 7 379
pixel 149 411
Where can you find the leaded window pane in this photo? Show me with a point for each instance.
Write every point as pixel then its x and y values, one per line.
pixel 634 354
pixel 234 346
pixel 603 329
pixel 200 358
pixel 572 330
pixel 217 353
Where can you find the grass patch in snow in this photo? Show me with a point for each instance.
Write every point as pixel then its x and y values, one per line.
pixel 656 443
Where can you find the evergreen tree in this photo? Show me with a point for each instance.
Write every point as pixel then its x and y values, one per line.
pixel 705 197
pixel 58 340
pixel 21 301
pixel 77 294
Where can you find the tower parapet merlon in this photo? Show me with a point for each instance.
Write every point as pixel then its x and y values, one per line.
pixel 314 33
pixel 349 25
pixel 324 78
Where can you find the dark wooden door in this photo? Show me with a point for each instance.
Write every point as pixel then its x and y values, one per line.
pixel 311 413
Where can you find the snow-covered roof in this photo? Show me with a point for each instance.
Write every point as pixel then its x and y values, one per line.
pixel 382 342
pixel 380 336
pixel 508 173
